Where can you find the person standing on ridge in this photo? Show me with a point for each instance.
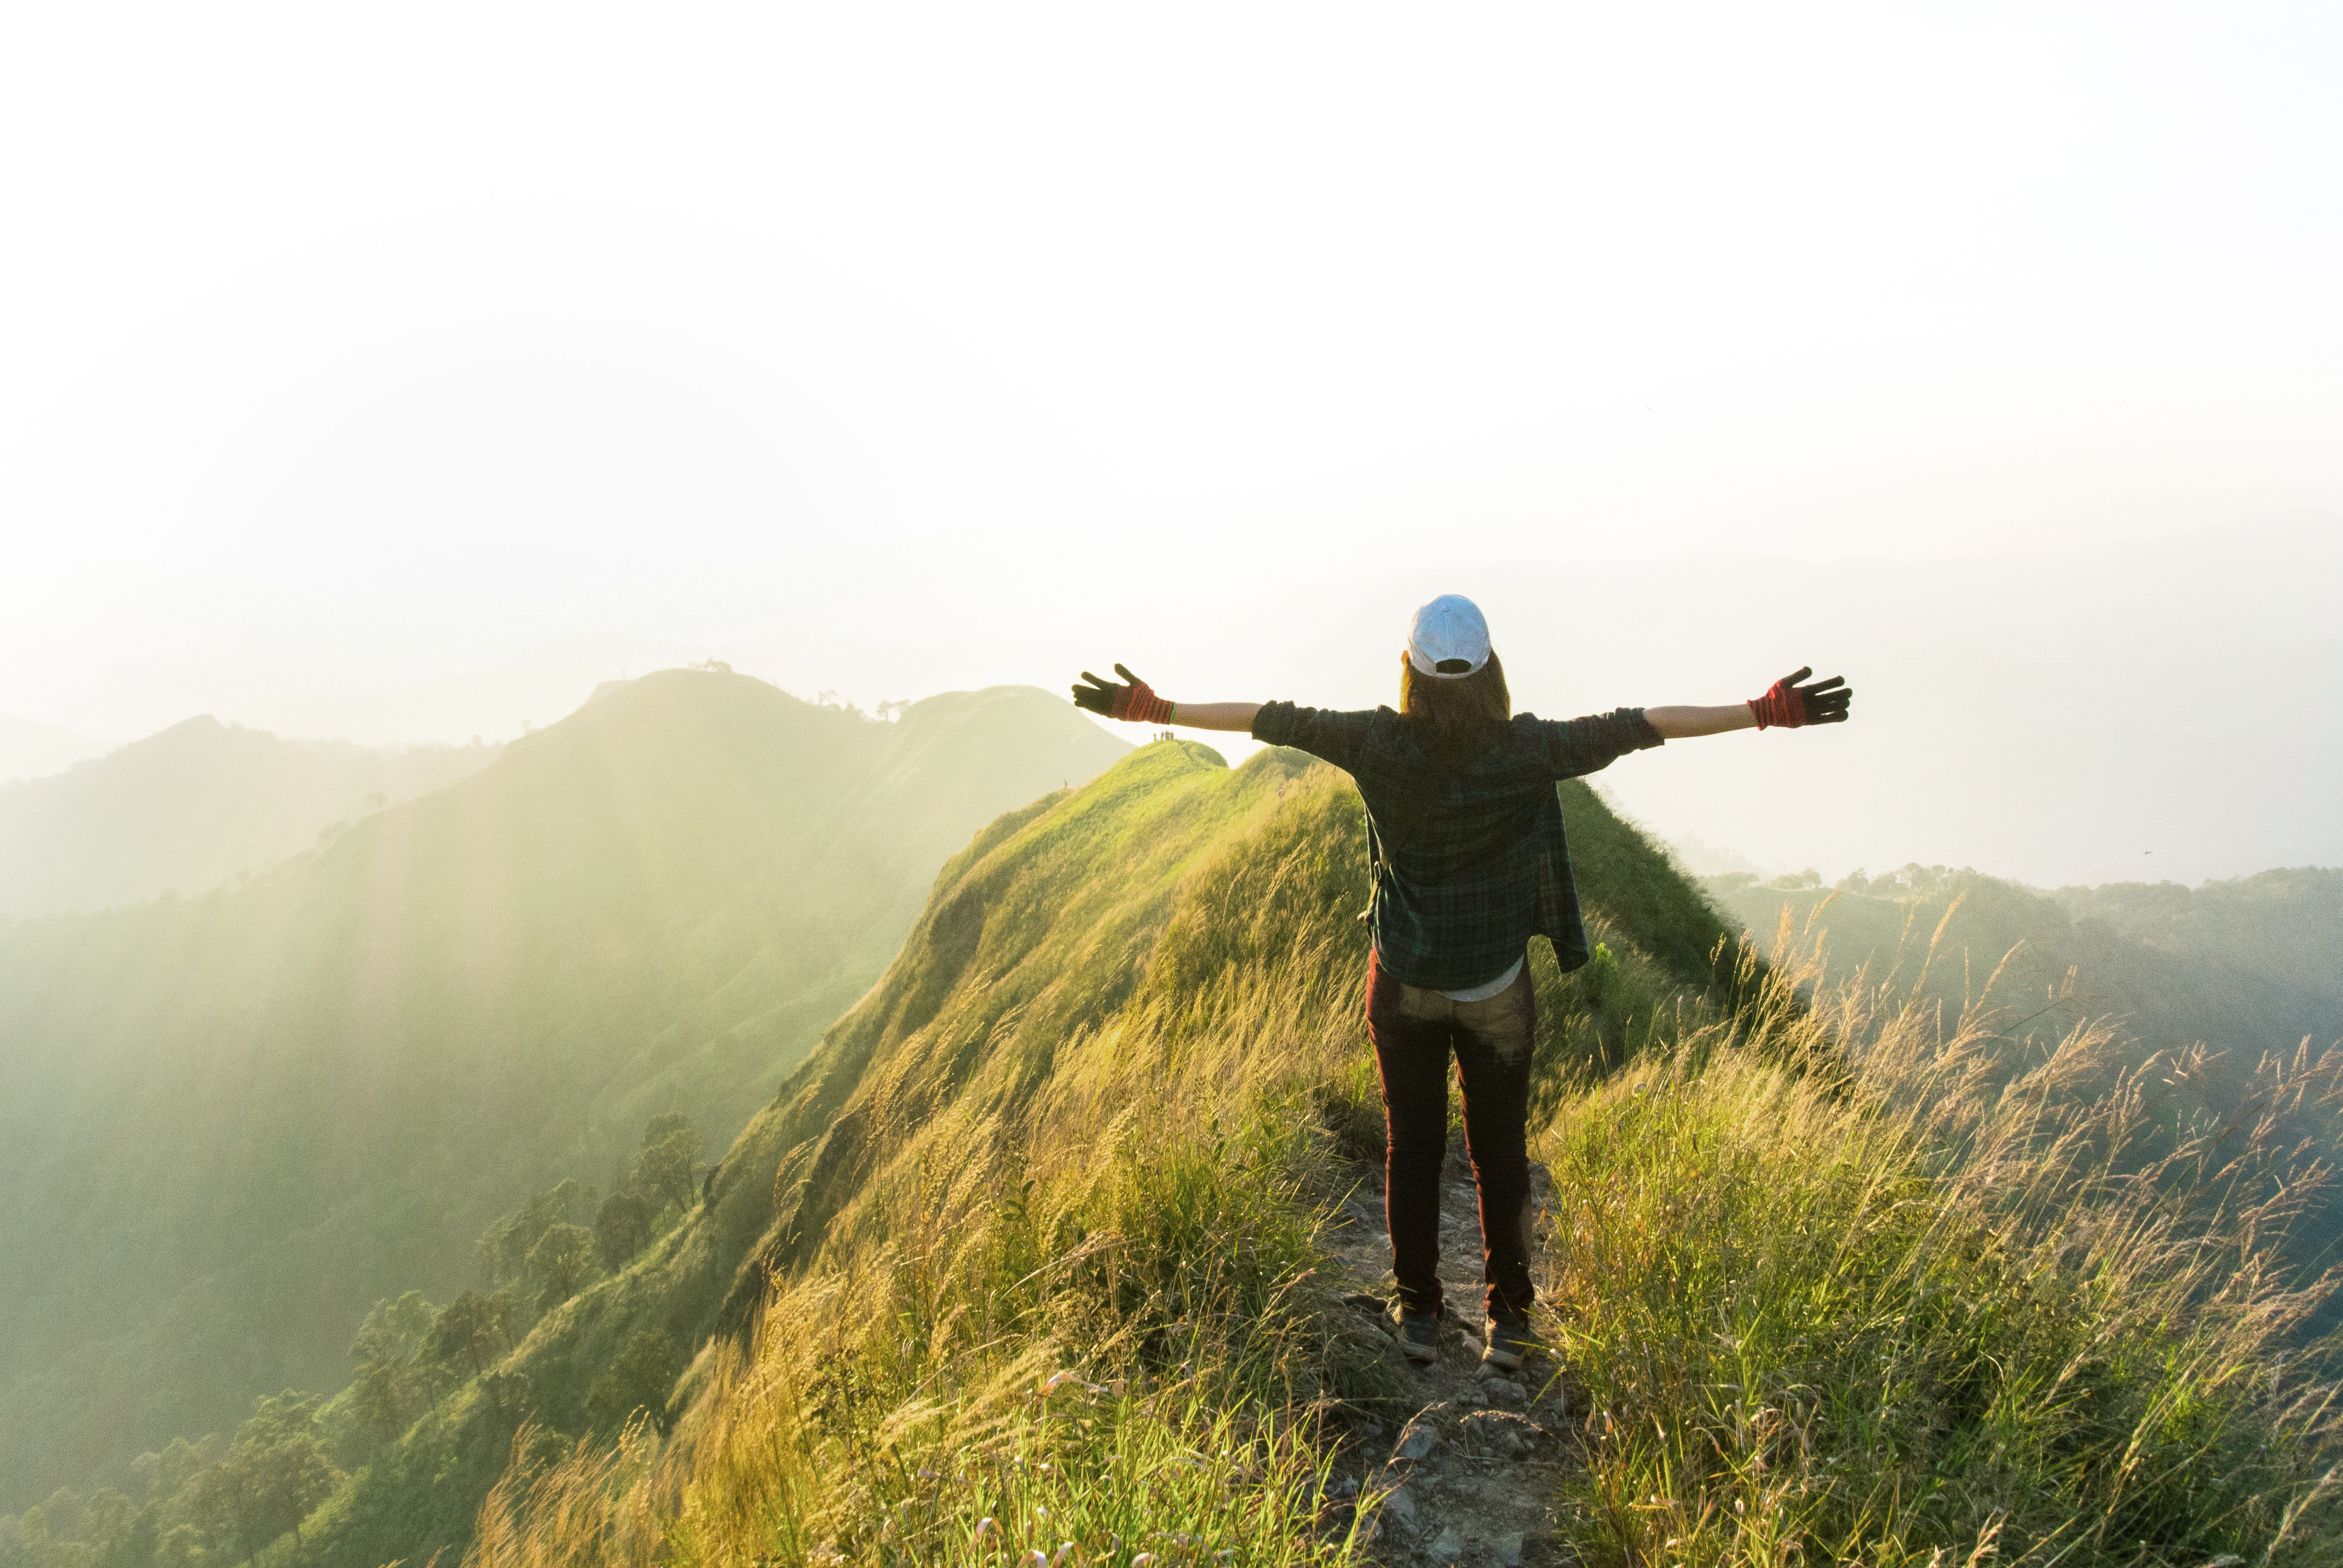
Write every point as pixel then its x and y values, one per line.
pixel 1468 861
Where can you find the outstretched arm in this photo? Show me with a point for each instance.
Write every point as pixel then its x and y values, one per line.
pixel 1682 723
pixel 1787 705
pixel 1784 704
pixel 1236 715
pixel 1137 703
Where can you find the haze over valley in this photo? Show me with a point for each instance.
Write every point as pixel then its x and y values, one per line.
pixel 194 806
pixel 2148 710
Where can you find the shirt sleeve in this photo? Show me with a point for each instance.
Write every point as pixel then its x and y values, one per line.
pixel 1326 733
pixel 1579 746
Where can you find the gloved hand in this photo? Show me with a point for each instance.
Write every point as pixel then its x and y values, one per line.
pixel 1790 705
pixel 1136 702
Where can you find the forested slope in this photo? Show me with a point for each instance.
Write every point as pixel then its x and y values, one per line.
pixel 234 1122
pixel 2284 926
pixel 2248 965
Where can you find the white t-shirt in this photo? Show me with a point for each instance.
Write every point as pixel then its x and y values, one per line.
pixel 1484 992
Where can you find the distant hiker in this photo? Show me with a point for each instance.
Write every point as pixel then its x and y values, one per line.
pixel 1466 853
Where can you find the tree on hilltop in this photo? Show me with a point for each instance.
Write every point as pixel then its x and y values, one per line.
pixel 472 1332
pixel 638 1377
pixel 278 1418
pixel 394 1376
pixel 394 1330
pixel 110 1526
pixel 274 1474
pixel 623 1227
pixel 167 1474
pixel 33 1535
pixel 563 1260
pixel 667 1161
pixel 295 1477
pixel 659 1126
pixel 181 1546
pixel 62 1510
pixel 502 1251
pixel 378 1402
pixel 168 1531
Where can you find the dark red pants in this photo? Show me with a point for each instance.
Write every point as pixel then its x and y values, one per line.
pixel 1415 1033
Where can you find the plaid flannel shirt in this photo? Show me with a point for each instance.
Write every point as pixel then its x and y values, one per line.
pixel 1468 863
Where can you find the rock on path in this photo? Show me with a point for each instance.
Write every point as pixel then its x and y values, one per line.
pixel 1472 1476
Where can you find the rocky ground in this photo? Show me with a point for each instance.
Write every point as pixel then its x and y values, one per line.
pixel 1472 1476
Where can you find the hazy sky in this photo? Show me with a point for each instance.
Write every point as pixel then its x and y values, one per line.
pixel 342 347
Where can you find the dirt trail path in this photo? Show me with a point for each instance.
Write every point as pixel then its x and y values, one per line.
pixel 1480 1463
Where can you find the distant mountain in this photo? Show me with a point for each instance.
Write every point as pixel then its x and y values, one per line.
pixel 2285 926
pixel 28 750
pixel 540 685
pixel 236 1121
pixel 2248 966
pixel 188 809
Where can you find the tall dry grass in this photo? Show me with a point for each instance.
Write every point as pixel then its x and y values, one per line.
pixel 1073 1316
pixel 1921 1302
pixel 1846 1281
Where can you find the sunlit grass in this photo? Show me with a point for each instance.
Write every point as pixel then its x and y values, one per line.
pixel 1074 1314
pixel 1935 1304
pixel 1089 1365
pixel 1846 1283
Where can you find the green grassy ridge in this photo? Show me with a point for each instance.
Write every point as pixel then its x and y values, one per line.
pixel 1166 881
pixel 1891 1314
pixel 1066 891
pixel 1158 887
pixel 1877 1315
pixel 236 1121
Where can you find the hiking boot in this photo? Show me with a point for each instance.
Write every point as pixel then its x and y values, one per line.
pixel 1509 1345
pixel 1419 1336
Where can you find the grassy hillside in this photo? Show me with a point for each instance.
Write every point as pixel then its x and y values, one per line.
pixel 1031 1253
pixel 1139 896
pixel 237 1121
pixel 195 806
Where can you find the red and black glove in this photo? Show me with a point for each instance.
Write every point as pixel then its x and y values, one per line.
pixel 1789 705
pixel 1136 702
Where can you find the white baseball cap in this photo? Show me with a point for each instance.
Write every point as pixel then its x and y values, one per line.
pixel 1448 640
